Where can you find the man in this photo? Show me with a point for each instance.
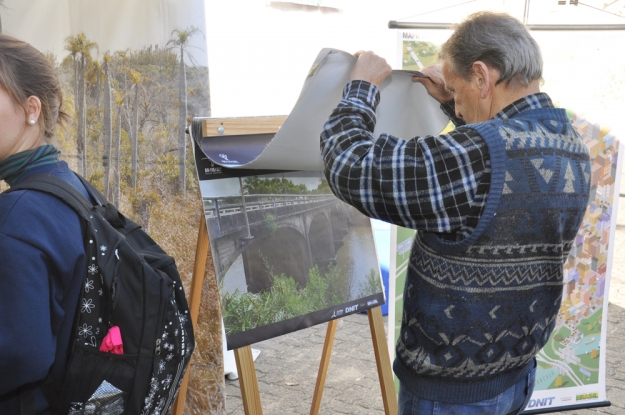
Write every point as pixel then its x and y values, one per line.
pixel 496 202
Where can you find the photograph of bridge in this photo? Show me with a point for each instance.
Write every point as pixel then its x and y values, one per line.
pixel 285 247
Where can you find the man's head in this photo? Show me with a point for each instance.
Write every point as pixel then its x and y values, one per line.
pixel 490 61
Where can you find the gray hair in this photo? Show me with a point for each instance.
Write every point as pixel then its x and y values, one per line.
pixel 500 41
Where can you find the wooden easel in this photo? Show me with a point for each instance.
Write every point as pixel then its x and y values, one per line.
pixel 245 363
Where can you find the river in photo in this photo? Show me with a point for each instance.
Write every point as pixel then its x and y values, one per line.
pixel 356 255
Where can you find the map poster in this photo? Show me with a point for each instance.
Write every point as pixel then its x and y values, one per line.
pixel 571 366
pixel 287 253
pixel 419 48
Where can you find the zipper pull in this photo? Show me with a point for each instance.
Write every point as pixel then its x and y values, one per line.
pixel 158 346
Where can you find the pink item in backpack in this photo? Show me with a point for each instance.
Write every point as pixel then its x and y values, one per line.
pixel 112 342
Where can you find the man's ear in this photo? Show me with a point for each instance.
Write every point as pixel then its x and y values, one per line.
pixel 483 78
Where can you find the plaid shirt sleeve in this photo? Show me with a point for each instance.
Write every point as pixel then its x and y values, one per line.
pixel 430 183
pixel 450 110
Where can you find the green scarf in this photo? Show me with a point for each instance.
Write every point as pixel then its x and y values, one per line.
pixel 13 167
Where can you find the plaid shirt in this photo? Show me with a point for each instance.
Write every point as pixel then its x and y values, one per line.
pixel 431 183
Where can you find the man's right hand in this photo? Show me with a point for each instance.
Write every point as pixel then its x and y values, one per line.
pixel 370 67
pixel 434 83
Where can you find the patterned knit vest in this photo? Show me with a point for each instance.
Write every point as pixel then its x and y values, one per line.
pixel 477 311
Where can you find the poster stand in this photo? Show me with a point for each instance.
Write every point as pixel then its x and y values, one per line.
pixel 245 363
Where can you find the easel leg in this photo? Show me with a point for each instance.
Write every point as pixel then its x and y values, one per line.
pixel 248 381
pixel 323 367
pixel 199 270
pixel 382 360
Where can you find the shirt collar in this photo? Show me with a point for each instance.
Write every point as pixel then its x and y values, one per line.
pixel 529 102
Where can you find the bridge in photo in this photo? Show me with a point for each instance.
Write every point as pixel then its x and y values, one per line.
pixel 281 234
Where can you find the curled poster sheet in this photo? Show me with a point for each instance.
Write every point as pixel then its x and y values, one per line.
pixel 405 111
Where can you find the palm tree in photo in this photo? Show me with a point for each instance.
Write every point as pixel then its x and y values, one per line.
pixel 119 103
pixel 107 125
pixel 123 59
pixel 95 78
pixel 180 41
pixel 135 78
pixel 71 45
pixel 80 48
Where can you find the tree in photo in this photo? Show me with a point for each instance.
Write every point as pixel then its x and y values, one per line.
pixel 135 79
pixel 119 103
pixel 79 48
pixel 107 125
pixel 180 41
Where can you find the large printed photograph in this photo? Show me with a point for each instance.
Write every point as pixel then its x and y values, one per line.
pixel 287 253
pixel 131 74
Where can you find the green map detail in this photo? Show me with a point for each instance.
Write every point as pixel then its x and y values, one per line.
pixel 402 258
pixel 571 356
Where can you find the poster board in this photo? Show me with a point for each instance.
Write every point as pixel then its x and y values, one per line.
pixel 288 254
pixel 571 367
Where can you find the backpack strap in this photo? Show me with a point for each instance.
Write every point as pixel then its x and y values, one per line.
pixel 27 401
pixel 64 191
pixel 26 396
pixel 58 188
pixel 100 200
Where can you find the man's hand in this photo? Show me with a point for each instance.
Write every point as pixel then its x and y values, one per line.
pixel 370 67
pixel 434 84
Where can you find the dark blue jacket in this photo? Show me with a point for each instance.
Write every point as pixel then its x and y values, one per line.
pixel 42 264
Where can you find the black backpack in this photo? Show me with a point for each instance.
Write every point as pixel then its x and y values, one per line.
pixel 131 283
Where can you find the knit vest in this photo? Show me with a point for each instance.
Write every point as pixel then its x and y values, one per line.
pixel 477 311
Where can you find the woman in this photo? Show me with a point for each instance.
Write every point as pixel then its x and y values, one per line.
pixel 42 258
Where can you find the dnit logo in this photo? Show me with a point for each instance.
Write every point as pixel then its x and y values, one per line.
pixel 224 159
pixel 535 403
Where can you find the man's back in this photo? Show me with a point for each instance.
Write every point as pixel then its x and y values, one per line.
pixel 481 308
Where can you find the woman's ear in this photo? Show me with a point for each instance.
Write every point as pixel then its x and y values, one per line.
pixel 33 110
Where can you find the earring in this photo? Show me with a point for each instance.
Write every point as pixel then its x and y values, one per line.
pixel 31 122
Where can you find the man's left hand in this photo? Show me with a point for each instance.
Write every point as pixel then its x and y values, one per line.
pixel 370 67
